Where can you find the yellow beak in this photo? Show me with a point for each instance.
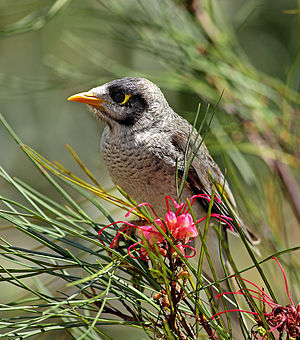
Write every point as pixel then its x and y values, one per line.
pixel 87 98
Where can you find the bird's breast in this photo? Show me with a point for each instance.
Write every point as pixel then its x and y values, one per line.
pixel 140 170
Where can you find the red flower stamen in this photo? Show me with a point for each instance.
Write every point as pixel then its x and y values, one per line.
pixel 176 205
pixel 280 318
pixel 222 218
pixel 141 205
pixel 233 310
pixel 261 291
pixel 260 298
pixel 129 225
pixel 285 281
pixel 179 224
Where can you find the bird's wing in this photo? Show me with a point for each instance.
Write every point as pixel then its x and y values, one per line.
pixel 203 177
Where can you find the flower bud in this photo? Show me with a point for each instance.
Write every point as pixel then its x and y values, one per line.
pixel 157 296
pixel 165 302
pixel 184 275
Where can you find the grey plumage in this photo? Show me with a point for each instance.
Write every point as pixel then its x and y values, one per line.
pixel 146 151
pixel 143 140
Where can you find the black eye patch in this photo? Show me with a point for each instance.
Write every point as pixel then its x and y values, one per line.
pixel 117 95
pixel 137 103
pixel 135 106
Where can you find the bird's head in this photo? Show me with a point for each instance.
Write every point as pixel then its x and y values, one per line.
pixel 126 102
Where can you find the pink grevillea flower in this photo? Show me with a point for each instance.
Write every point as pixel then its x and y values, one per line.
pixel 283 319
pixel 179 225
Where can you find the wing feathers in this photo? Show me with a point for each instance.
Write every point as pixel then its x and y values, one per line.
pixel 202 176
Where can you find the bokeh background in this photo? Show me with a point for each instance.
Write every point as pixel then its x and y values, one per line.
pixel 250 49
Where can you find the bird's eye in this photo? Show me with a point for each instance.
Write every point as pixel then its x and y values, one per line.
pixel 118 96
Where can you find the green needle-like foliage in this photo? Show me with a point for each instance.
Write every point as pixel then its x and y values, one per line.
pixel 96 278
pixel 71 280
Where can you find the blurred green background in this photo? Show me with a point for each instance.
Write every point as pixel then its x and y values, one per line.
pixel 41 68
pixel 52 49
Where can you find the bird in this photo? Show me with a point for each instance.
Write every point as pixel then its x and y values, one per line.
pixel 144 146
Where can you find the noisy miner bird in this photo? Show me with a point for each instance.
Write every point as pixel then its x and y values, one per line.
pixel 143 141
